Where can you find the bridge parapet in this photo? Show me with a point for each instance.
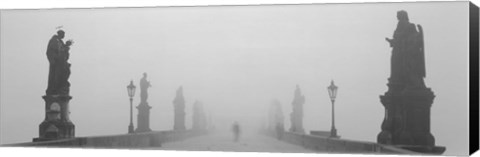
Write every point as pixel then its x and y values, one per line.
pixel 136 140
pixel 326 144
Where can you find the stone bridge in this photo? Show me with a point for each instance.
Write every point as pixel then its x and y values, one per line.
pixel 406 124
pixel 204 140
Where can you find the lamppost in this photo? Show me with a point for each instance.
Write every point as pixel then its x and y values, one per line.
pixel 131 93
pixel 332 91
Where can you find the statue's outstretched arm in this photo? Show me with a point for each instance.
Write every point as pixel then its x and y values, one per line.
pixel 420 29
pixel 390 41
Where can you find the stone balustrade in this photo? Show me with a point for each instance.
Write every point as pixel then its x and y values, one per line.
pixel 337 145
pixel 135 140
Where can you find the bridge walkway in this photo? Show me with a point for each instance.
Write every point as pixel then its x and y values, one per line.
pixel 223 141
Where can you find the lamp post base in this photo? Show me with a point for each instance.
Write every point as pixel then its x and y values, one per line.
pixel 333 133
pixel 130 128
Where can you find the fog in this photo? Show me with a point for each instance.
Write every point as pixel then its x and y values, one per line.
pixel 235 60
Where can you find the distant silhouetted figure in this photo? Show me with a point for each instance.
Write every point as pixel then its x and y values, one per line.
pixel 236 131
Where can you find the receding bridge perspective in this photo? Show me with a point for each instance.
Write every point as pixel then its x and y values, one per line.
pixel 405 128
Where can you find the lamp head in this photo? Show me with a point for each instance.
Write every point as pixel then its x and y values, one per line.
pixel 332 91
pixel 131 89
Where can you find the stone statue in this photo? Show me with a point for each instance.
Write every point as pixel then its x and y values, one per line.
pixel 296 117
pixel 144 85
pixel 57 124
pixel 59 70
pixel 179 113
pixel 408 59
pixel 408 101
pixel 143 120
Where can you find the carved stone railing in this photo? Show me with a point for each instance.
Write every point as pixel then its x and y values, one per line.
pixel 136 140
pixel 337 145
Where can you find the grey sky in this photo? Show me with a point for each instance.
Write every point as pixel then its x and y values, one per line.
pixel 235 59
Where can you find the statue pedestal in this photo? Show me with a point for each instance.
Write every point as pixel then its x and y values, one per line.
pixel 297 129
pixel 179 121
pixel 407 120
pixel 57 124
pixel 392 123
pixel 143 123
pixel 296 120
pixel 434 150
pixel 416 117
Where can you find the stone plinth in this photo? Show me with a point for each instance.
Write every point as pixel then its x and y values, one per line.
pixel 57 124
pixel 143 118
pixel 407 120
pixel 179 121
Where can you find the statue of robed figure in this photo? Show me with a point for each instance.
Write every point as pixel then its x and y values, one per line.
pixel 408 57
pixel 144 85
pixel 59 70
pixel 143 116
pixel 57 124
pixel 408 101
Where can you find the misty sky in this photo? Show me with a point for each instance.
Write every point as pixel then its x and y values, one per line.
pixel 234 59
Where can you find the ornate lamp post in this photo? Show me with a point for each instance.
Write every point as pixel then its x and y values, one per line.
pixel 131 93
pixel 332 92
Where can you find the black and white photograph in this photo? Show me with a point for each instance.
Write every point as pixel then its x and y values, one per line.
pixel 320 78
